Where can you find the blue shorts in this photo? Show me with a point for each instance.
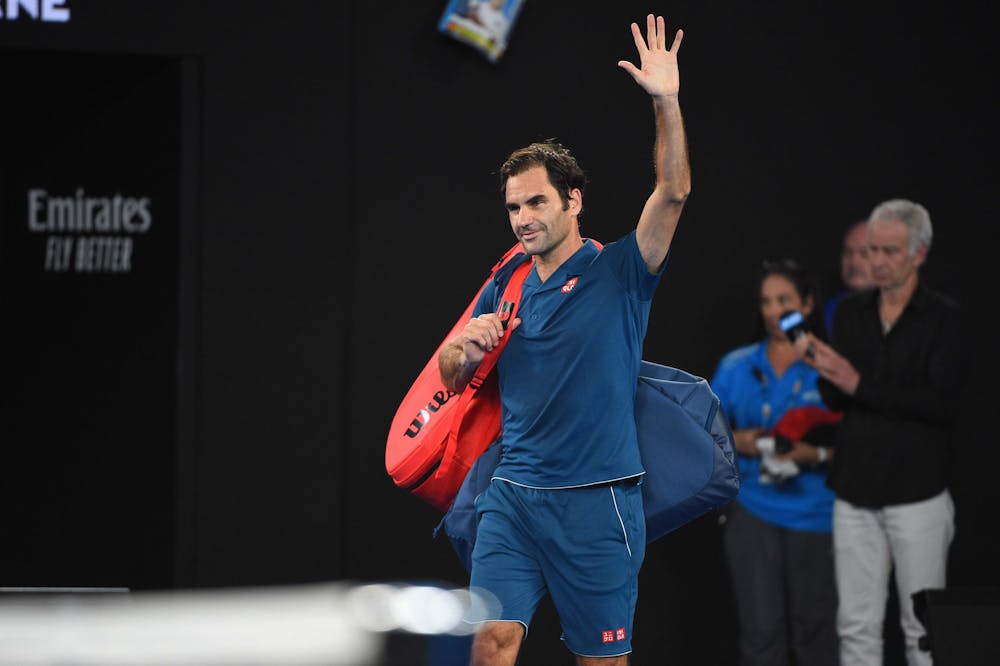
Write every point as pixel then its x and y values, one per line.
pixel 584 546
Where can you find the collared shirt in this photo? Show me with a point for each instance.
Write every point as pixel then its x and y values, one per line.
pixel 753 396
pixel 568 374
pixel 894 442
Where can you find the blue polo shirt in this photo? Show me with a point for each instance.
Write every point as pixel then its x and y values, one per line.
pixel 754 397
pixel 568 374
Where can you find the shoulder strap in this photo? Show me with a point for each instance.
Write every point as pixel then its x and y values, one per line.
pixel 509 303
pixel 477 420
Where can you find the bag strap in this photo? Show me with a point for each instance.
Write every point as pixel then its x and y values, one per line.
pixel 509 303
pixel 508 308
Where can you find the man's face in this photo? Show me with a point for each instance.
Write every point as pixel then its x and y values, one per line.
pixel 855 270
pixel 889 253
pixel 536 212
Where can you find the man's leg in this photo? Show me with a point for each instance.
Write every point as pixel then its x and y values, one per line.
pixel 812 597
pixel 497 644
pixel 595 544
pixel 862 562
pixel 754 552
pixel 504 565
pixel 919 536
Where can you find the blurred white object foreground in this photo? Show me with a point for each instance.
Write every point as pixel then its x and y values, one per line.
pixel 308 625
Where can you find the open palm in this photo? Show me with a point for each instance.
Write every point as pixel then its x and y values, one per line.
pixel 657 72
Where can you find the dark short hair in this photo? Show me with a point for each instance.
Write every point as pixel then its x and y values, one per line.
pixel 560 165
pixel 805 285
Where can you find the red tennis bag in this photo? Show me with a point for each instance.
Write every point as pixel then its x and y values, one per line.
pixel 436 434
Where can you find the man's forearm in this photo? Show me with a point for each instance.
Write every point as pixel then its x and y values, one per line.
pixel 673 183
pixel 673 171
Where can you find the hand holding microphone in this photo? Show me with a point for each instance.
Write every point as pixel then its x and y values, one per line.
pixel 793 323
pixel 831 366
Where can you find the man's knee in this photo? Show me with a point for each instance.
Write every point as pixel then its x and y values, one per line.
pixel 497 643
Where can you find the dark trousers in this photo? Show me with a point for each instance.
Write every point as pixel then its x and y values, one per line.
pixel 786 595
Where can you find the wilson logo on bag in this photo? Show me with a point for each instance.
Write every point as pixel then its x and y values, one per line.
pixel 423 417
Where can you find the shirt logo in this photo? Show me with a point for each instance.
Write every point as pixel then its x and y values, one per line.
pixel 570 283
pixel 620 634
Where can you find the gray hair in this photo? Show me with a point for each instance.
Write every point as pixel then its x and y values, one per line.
pixel 913 215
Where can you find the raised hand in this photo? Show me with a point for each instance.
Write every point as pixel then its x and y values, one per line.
pixel 657 72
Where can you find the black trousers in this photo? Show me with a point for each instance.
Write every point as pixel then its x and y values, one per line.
pixel 786 594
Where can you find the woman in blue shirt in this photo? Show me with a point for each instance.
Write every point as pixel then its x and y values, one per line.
pixel 777 534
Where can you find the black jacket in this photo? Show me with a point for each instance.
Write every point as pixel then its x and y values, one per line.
pixel 893 446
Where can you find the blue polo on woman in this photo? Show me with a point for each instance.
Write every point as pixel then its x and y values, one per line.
pixel 753 397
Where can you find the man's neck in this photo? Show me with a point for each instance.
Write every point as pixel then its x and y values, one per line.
pixel 548 263
pixel 898 296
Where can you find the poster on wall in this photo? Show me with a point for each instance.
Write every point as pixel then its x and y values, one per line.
pixel 485 25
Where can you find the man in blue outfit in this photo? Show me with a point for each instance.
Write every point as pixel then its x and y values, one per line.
pixel 563 514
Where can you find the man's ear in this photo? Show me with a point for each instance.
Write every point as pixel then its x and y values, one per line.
pixel 575 203
pixel 920 255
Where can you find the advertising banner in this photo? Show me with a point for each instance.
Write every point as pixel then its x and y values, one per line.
pixel 88 300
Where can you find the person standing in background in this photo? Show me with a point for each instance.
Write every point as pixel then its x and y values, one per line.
pixel 896 368
pixel 855 272
pixel 777 532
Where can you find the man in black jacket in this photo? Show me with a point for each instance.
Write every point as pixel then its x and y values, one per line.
pixel 896 370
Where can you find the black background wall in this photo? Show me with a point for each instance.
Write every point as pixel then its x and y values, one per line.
pixel 337 206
